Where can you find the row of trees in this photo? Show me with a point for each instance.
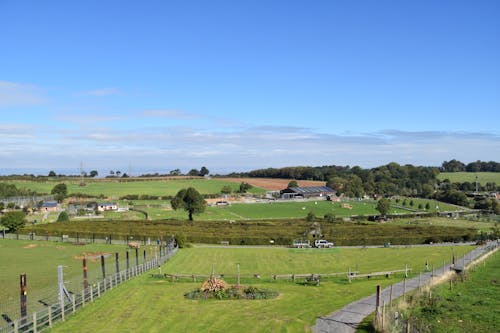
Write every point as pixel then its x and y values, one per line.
pixel 478 166
pixel 10 190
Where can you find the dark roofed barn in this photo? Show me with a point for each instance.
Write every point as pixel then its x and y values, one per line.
pixel 307 192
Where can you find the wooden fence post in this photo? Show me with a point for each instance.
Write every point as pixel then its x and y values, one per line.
pixel 128 266
pixel 103 268
pixel 23 297
pixel 85 276
pixel 136 256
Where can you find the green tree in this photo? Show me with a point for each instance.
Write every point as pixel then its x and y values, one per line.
pixel 193 172
pixel 175 172
pixel 13 220
pixel 63 217
pixel 93 173
pixel 383 206
pixel 60 191
pixel 190 200
pixel 310 217
pixel 226 189
pixel 52 174
pixel 292 183
pixel 427 206
pixel 244 187
pixel 204 171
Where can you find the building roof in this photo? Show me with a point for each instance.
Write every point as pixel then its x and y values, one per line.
pixel 311 189
pixel 106 204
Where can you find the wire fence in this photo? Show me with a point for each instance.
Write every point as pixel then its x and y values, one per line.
pixel 393 316
pixel 45 306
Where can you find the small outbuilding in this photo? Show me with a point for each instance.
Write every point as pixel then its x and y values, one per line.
pixel 104 206
pixel 50 206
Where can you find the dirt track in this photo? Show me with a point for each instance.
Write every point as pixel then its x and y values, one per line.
pixel 273 184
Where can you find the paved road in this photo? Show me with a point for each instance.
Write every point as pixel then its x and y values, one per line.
pixel 348 318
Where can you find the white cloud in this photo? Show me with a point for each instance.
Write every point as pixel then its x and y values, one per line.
pixel 17 94
pixel 166 148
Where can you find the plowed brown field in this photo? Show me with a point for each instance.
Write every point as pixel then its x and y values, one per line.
pixel 273 184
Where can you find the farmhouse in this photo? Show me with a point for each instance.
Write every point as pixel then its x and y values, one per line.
pixel 103 206
pixel 50 206
pixel 307 192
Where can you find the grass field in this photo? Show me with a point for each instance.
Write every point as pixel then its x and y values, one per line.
pixel 461 177
pixel 161 209
pixel 471 306
pixel 147 304
pixel 39 260
pixel 117 188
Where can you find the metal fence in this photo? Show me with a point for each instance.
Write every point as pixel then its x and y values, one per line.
pixel 62 300
pixel 390 317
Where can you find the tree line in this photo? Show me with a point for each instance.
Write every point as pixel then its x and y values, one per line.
pixel 478 166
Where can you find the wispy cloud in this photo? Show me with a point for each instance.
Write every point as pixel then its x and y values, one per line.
pixel 164 147
pixel 18 94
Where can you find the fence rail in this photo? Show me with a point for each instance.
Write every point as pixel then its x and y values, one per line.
pixel 87 238
pixel 58 307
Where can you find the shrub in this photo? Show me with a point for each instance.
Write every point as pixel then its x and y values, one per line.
pixel 63 217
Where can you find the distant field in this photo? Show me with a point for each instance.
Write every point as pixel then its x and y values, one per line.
pixel 118 188
pixel 161 209
pixel 274 184
pixel 461 177
pixel 154 305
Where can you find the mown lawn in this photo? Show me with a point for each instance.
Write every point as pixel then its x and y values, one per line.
pixel 149 304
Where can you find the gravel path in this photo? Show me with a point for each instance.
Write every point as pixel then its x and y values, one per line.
pixel 348 318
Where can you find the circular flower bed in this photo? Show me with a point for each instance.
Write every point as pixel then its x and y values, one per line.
pixel 218 289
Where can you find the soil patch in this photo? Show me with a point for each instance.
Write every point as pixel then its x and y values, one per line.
pixel 274 184
pixel 30 246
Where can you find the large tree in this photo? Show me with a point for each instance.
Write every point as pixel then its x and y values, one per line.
pixel 60 191
pixel 190 200
pixel 383 206
pixel 204 171
pixel 13 220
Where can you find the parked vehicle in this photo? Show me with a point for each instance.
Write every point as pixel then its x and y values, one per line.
pixel 322 243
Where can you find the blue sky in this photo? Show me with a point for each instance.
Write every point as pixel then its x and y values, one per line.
pixel 239 85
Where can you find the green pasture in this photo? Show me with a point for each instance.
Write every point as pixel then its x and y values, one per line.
pixel 434 205
pixel 271 210
pixel 485 226
pixel 161 209
pixel 462 177
pixel 149 304
pixel 39 260
pixel 118 188
pixel 471 306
